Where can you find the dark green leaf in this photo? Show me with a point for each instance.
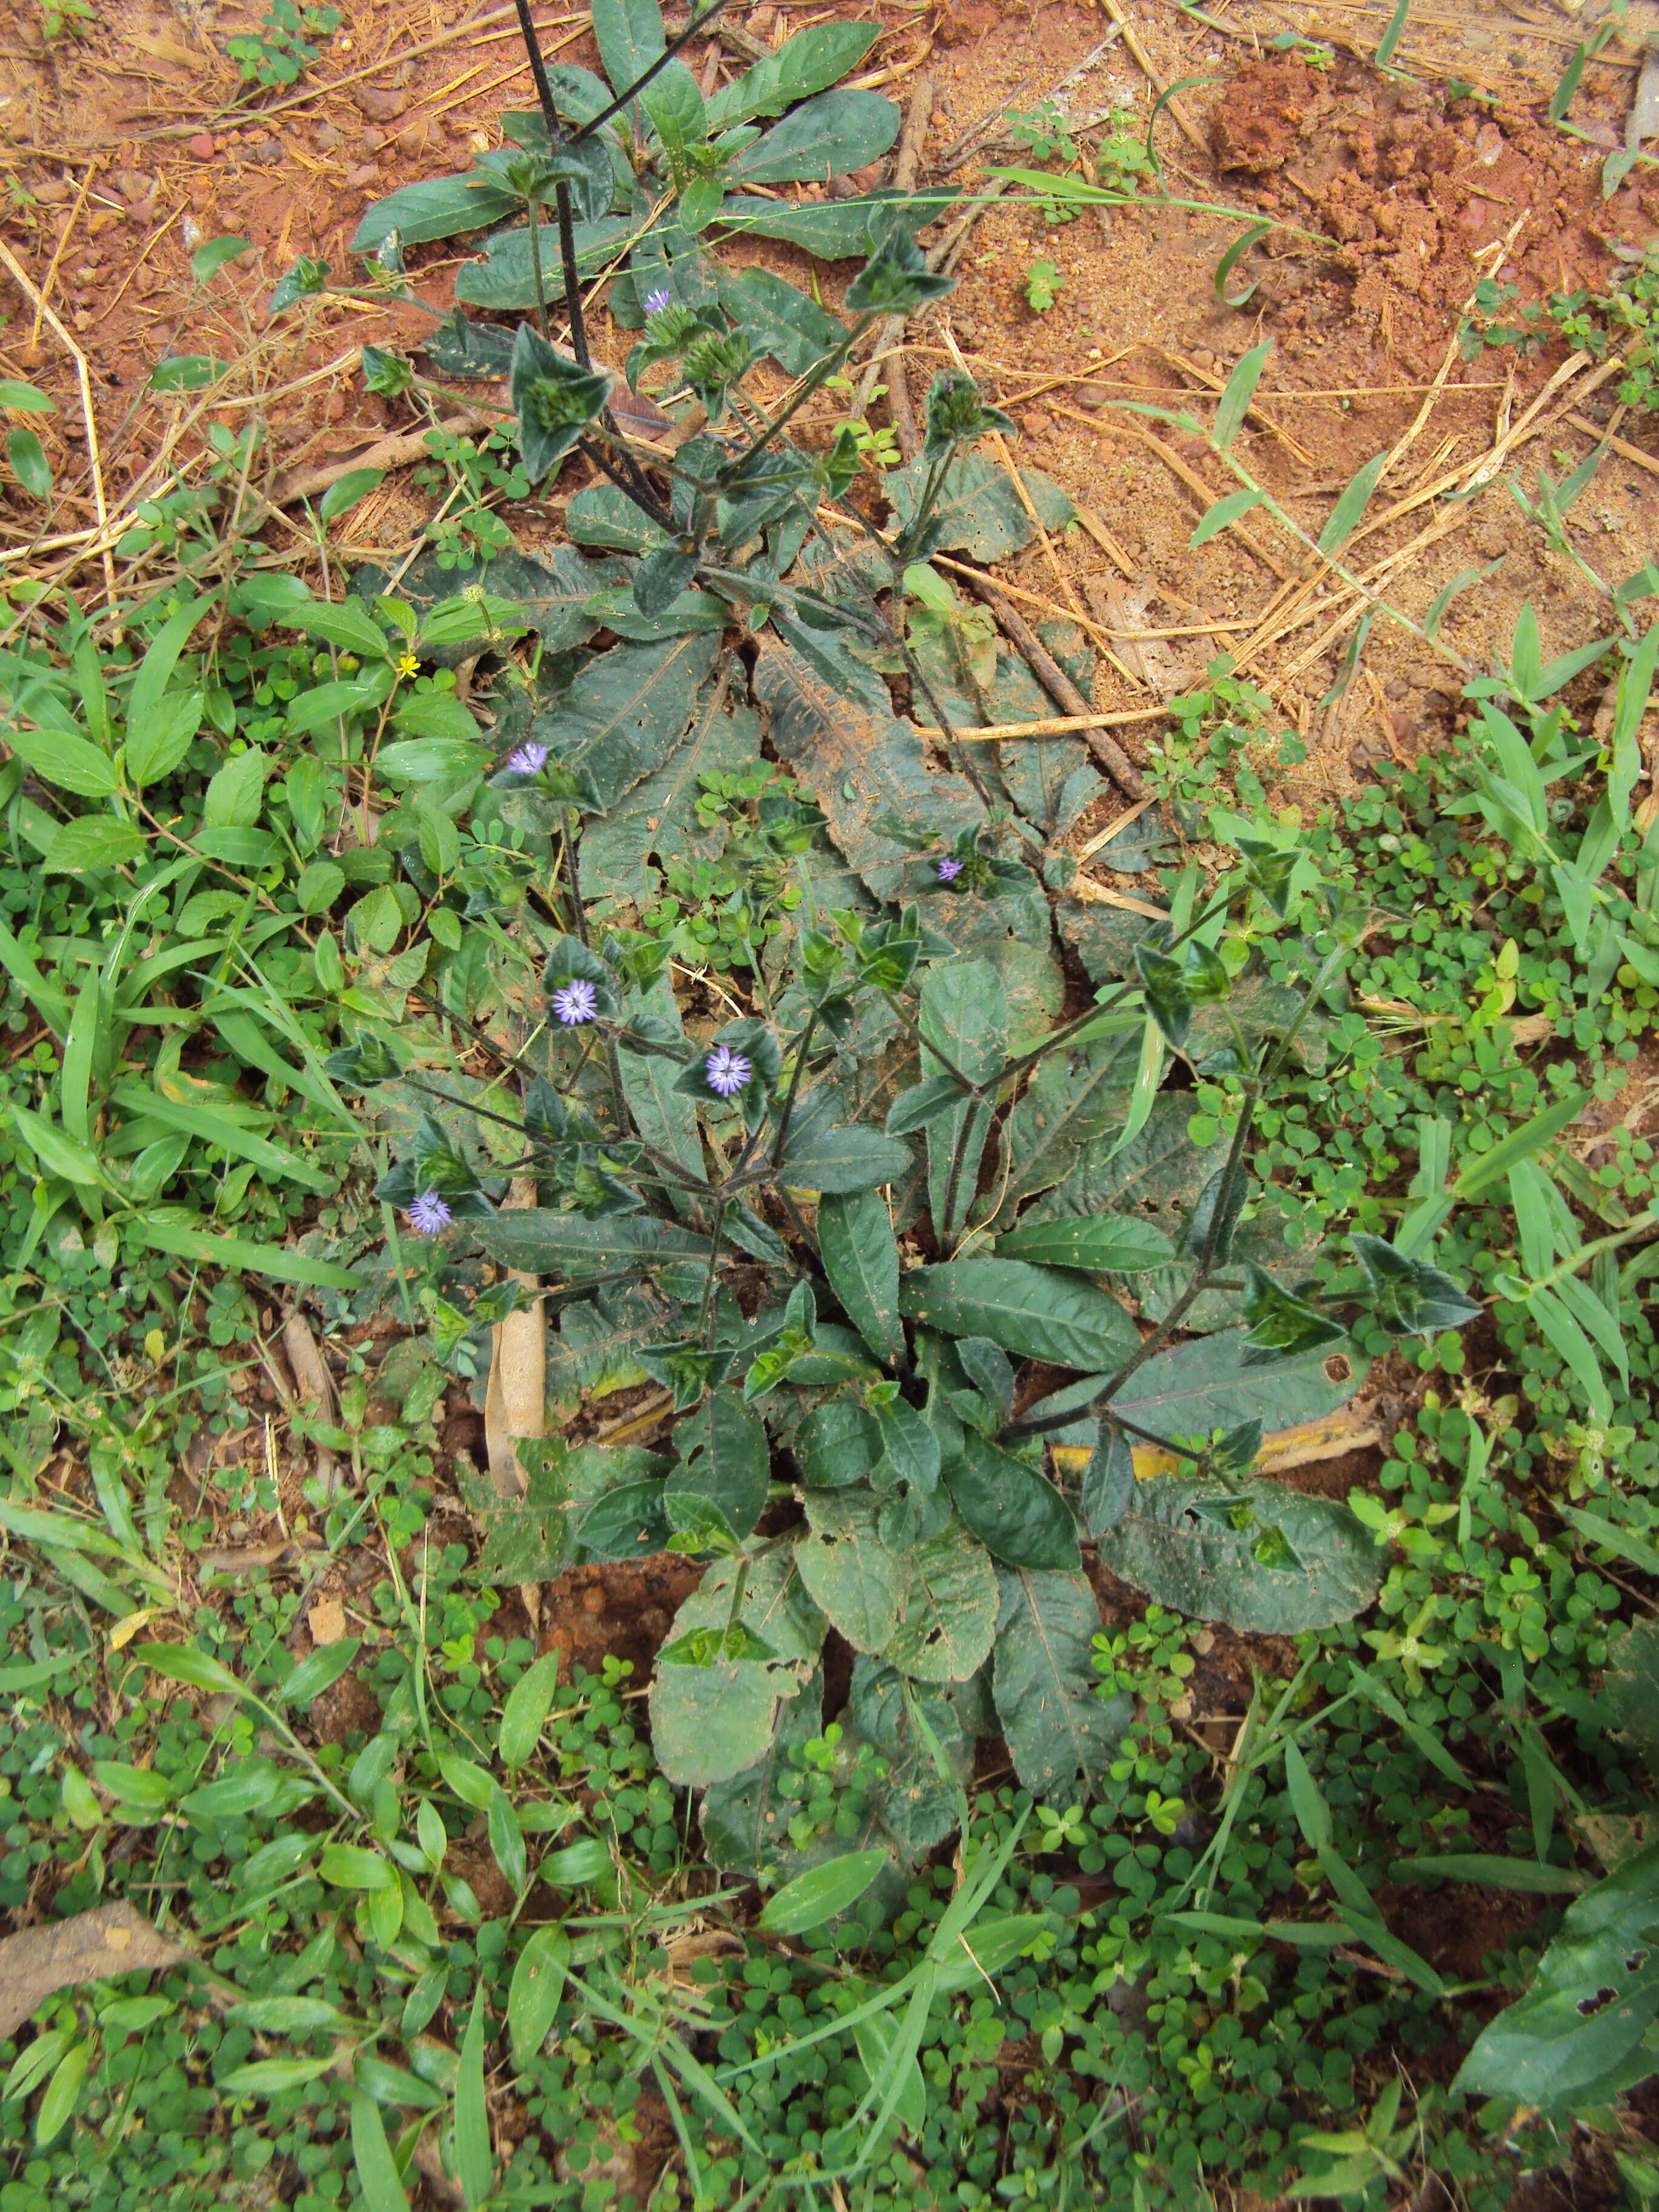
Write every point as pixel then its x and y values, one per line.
pixel 828 137
pixel 987 1367
pixel 723 1453
pixel 318 1671
pixel 964 1013
pixel 659 818
pixel 618 719
pixel 843 1159
pixel 979 511
pixel 441 207
pixel 1061 1733
pixel 848 1571
pixel 835 230
pixel 860 1257
pixel 811 60
pixel 1572 2040
pixel 1103 1244
pixel 1109 1481
pixel 1176 1543
pixel 861 764
pixel 1167 997
pixel 1282 1326
pixel 505 281
pixel 1072 1110
pixel 556 400
pixel 1411 1298
pixel 950 1608
pixel 1016 1513
pixel 836 1445
pixel 629 36
pixel 660 578
pixel 1043 1313
pixel 627 1523
pixel 572 1249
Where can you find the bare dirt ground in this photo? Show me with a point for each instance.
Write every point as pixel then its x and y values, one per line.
pixel 125 148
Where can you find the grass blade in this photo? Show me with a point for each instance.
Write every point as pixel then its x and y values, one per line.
pixel 1345 516
pixel 475 2167
pixel 1229 261
pixel 377 2169
pixel 1235 402
pixel 186 1237
pixel 1392 35
pixel 1225 513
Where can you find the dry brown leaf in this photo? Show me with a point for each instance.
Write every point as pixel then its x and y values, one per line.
pixel 113 1939
pixel 1348 1429
pixel 515 1402
pixel 327 1621
pixel 311 1372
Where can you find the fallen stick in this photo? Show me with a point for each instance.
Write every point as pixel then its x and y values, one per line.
pixel 387 454
pixel 1064 693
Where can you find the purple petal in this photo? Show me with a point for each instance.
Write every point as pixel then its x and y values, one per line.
pixel 529 760
pixel 428 1214
pixel 575 1002
pixel 655 301
pixel 949 870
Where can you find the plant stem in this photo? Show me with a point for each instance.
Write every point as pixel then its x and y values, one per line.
pixel 909 1024
pixel 705 1311
pixel 814 378
pixel 953 1181
pixel 536 266
pixel 804 1045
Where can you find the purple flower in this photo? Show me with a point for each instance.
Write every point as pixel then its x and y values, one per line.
pixel 727 1071
pixel 949 870
pixel 575 1002
pixel 657 300
pixel 428 1214
pixel 528 760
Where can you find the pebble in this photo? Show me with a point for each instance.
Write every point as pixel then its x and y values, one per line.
pixel 1202 357
pixel 1092 395
pixel 201 147
pixel 327 136
pixel 50 190
pixel 379 105
pixel 365 174
pixel 1036 424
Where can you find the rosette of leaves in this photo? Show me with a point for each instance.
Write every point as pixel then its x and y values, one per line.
pixel 867 1384
pixel 644 147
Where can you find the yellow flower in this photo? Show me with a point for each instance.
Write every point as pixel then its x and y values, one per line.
pixel 407 665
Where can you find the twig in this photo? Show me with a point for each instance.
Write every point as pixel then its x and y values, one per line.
pixel 387 454
pixel 890 333
pixel 64 237
pixel 1050 726
pixel 94 458
pixel 1064 693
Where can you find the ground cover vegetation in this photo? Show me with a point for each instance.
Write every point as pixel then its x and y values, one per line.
pixel 573 966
